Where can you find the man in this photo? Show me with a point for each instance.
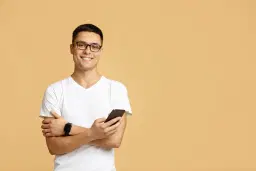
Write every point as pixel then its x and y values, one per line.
pixel 75 108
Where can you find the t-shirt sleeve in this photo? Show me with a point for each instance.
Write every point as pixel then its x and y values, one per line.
pixel 121 98
pixel 50 102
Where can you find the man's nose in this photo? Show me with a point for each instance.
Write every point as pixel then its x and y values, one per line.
pixel 87 49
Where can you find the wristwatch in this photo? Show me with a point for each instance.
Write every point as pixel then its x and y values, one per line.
pixel 67 129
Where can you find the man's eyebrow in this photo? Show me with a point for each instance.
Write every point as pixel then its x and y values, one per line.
pixel 87 43
pixel 80 41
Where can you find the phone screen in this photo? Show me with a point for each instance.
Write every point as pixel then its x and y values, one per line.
pixel 115 113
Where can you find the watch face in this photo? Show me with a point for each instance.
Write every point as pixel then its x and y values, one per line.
pixel 67 128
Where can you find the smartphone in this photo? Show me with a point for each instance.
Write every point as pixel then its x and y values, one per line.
pixel 115 113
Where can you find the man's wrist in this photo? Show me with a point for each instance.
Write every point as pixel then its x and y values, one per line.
pixel 91 135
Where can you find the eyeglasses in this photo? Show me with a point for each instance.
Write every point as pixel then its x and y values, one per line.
pixel 94 47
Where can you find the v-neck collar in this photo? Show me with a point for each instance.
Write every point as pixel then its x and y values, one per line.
pixel 89 88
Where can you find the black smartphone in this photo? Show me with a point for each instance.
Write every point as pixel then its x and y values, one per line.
pixel 115 113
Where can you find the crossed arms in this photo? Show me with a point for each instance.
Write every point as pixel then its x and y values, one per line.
pixel 104 135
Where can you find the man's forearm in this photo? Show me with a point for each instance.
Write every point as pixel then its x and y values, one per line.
pixel 79 136
pixel 107 143
pixel 62 145
pixel 77 130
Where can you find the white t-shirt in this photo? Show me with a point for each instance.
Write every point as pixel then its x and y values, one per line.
pixel 82 106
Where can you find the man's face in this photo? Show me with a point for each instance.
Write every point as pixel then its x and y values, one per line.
pixel 86 50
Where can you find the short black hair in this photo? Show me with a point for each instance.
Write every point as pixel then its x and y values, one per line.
pixel 88 28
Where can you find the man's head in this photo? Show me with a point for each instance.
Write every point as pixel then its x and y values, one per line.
pixel 86 47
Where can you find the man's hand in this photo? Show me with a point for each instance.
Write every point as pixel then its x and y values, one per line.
pixel 100 130
pixel 53 127
pixel 114 140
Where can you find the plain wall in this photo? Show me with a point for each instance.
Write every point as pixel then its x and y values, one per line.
pixel 189 66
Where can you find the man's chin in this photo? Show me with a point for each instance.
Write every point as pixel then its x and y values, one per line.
pixel 88 68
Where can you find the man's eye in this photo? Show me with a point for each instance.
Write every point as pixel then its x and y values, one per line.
pixel 95 46
pixel 80 44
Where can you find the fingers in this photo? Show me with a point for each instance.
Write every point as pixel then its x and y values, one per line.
pixel 45 126
pixel 111 132
pixel 55 115
pixel 47 135
pixel 112 121
pixel 46 121
pixel 112 128
pixel 46 131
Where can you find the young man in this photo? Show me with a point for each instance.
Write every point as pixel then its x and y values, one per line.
pixel 75 108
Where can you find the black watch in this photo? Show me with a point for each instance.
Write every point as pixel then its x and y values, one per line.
pixel 67 129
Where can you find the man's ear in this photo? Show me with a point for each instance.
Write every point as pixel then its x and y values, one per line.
pixel 71 48
pixel 101 51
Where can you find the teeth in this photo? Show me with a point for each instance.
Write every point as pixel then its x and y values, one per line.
pixel 88 59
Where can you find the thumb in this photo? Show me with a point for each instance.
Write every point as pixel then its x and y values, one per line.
pixel 56 116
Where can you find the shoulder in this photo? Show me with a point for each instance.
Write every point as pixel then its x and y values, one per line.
pixel 56 87
pixel 116 85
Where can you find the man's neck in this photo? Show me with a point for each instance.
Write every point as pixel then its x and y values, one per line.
pixel 86 78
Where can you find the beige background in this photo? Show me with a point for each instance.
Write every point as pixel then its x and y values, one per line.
pixel 189 66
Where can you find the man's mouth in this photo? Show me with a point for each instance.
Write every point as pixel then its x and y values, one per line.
pixel 87 58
